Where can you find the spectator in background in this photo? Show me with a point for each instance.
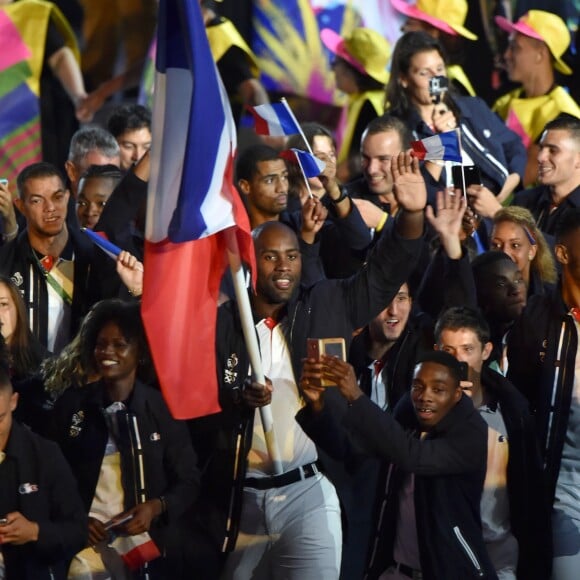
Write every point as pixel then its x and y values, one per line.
pixel 443 20
pixel 360 71
pixel 536 45
pixel 95 187
pixel 90 145
pixel 131 127
pixel 486 141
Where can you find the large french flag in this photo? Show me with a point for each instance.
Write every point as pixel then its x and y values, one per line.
pixel 191 205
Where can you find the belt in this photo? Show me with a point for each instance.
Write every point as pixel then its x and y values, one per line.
pixel 298 474
pixel 408 571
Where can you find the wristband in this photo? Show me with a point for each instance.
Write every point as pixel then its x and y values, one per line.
pixel 343 195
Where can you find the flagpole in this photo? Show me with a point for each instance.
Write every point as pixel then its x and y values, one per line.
pixel 249 330
pixel 310 195
pixel 458 133
pixel 285 103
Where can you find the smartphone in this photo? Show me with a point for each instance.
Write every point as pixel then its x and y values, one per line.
pixel 3 181
pixel 472 176
pixel 316 347
pixel 437 88
pixel 3 521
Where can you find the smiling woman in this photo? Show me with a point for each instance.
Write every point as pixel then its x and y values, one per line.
pixel 133 462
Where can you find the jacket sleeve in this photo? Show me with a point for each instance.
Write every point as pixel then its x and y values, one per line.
pixel 381 435
pixel 180 464
pixel 66 532
pixel 389 264
pixel 352 228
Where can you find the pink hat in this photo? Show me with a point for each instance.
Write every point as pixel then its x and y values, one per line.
pixel 445 15
pixel 365 49
pixel 544 26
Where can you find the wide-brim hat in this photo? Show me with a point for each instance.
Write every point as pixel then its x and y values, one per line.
pixel 544 26
pixel 445 15
pixel 365 49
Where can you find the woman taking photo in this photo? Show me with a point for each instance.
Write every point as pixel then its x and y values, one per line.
pixel 133 462
pixel 486 142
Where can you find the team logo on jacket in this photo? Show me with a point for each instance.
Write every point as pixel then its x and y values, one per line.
pixel 26 488
pixel 230 374
pixel 76 425
pixel 17 278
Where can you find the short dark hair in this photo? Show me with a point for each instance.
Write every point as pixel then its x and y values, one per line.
pixel 481 263
pixel 92 138
pixel 103 171
pixel 128 118
pixel 386 123
pixel 127 316
pixel 247 162
pixel 37 171
pixel 443 358
pixel 310 130
pixel 565 122
pixel 568 223
pixel 458 317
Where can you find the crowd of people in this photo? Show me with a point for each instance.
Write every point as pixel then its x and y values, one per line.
pixel 442 444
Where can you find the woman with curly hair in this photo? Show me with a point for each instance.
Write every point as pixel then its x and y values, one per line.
pixel 515 232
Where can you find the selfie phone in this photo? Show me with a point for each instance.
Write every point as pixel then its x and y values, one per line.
pixel 3 181
pixel 437 88
pixel 472 176
pixel 316 347
pixel 3 521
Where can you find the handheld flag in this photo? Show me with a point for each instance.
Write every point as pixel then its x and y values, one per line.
pixel 192 204
pixel 275 119
pixel 310 164
pixel 100 240
pixel 443 146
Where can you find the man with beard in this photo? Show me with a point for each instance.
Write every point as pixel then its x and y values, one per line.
pixel 259 517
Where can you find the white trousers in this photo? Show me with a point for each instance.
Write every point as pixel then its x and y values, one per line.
pixel 288 533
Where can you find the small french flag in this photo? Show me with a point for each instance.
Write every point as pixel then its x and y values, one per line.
pixel 136 551
pixel 275 119
pixel 310 164
pixel 443 146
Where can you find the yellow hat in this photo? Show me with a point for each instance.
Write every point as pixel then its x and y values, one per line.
pixel 544 26
pixel 365 49
pixel 445 15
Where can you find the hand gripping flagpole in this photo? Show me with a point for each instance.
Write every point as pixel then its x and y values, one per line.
pixel 252 345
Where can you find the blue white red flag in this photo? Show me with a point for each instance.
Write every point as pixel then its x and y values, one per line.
pixel 310 164
pixel 275 119
pixel 100 240
pixel 191 203
pixel 441 147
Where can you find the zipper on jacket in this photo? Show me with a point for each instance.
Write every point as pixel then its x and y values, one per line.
pixel 467 549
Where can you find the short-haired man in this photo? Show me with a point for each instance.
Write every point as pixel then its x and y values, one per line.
pixel 49 261
pixel 383 139
pixel 96 185
pixel 131 127
pixel 43 520
pixel 514 513
pixel 543 354
pixel 270 511
pixel 90 145
pixel 536 45
pixel 427 518
pixel 558 174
